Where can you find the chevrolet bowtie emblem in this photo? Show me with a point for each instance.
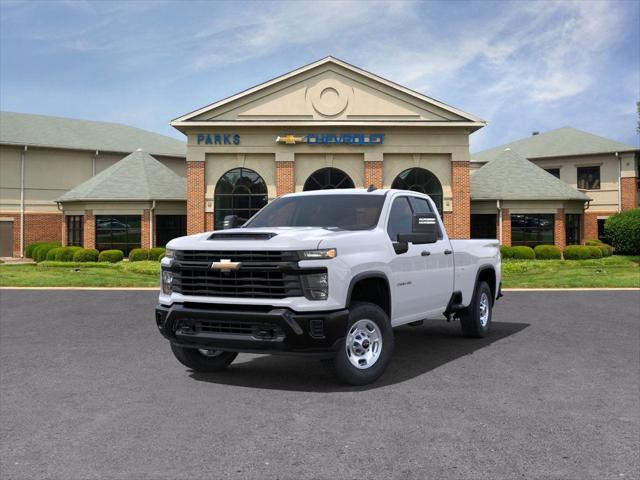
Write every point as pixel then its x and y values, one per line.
pixel 290 139
pixel 225 264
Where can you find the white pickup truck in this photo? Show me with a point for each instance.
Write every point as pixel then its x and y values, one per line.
pixel 324 273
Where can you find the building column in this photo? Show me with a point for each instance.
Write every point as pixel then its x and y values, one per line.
pixel 89 229
pixel 373 173
pixel 145 234
pixel 64 240
pixel 628 193
pixel 461 199
pixel 195 197
pixel 559 230
pixel 506 227
pixel 285 177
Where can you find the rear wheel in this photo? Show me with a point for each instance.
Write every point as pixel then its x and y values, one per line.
pixel 476 318
pixel 203 360
pixel 366 350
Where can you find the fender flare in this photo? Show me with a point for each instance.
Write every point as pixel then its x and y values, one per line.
pixel 364 276
pixel 495 277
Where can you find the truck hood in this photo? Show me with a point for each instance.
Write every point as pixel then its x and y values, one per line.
pixel 278 238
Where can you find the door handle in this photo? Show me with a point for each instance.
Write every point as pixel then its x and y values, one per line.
pixel 448 252
pixel 425 253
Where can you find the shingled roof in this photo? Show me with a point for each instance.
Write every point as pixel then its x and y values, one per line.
pixel 562 142
pixel 137 176
pixel 510 176
pixel 56 132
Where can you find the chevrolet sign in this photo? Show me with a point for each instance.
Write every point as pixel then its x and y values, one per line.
pixel 333 139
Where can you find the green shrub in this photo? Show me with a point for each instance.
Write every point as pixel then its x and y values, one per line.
pixel 523 253
pixel 139 254
pixel 547 252
pixel 29 252
pixel 594 252
pixel 577 252
pixel 607 250
pixel 86 255
pixel 65 254
pixel 51 254
pixel 593 243
pixel 111 256
pixel 623 229
pixel 506 252
pixel 157 253
pixel 40 252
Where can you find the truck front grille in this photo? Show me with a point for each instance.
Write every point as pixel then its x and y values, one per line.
pixel 261 274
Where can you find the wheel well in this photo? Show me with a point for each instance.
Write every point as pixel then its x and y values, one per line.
pixel 373 290
pixel 489 275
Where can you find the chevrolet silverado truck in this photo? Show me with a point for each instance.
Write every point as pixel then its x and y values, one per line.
pixel 323 273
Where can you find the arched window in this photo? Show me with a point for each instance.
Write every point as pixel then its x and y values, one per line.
pixel 328 178
pixel 240 192
pixel 420 180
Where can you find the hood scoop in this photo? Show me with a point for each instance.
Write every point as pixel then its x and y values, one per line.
pixel 242 236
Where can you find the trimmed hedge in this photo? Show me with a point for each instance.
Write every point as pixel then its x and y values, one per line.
pixel 111 256
pixel 506 252
pixel 577 252
pixel 65 254
pixel 51 254
pixel 30 250
pixel 623 229
pixel 40 252
pixel 607 250
pixel 547 252
pixel 523 253
pixel 139 254
pixel 86 255
pixel 157 253
pixel 594 252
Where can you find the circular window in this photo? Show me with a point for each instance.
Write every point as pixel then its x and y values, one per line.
pixel 328 178
pixel 420 180
pixel 240 192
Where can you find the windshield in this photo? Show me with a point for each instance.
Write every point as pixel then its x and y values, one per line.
pixel 347 212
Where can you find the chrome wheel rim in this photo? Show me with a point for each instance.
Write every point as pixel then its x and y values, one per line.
pixel 210 353
pixel 484 309
pixel 363 344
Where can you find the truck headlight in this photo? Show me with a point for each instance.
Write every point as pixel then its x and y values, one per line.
pixel 167 281
pixel 323 254
pixel 169 253
pixel 316 286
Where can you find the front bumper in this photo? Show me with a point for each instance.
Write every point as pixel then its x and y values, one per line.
pixel 252 329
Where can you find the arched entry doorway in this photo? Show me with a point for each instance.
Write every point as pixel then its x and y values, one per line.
pixel 328 178
pixel 420 180
pixel 240 192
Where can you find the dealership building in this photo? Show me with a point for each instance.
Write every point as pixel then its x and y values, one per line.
pixel 326 125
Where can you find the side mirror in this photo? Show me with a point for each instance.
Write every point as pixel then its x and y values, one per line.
pixel 230 221
pixel 425 230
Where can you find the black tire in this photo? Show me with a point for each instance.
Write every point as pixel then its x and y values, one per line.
pixel 471 318
pixel 346 371
pixel 192 358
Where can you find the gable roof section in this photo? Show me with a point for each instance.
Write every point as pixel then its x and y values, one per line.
pixel 137 176
pixel 57 132
pixel 561 142
pixel 206 115
pixel 510 176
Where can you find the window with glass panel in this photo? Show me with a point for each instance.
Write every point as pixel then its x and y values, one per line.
pixel 121 232
pixel 589 178
pixel 169 227
pixel 328 179
pixel 572 222
pixel 75 233
pixel 532 229
pixel 240 192
pixel 420 180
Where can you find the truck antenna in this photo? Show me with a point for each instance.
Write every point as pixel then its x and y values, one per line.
pixel 371 188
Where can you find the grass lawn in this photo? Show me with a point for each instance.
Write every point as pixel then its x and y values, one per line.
pixel 616 271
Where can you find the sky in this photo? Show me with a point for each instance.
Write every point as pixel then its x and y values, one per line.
pixel 523 66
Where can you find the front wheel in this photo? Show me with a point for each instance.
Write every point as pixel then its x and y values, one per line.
pixel 202 360
pixel 476 318
pixel 366 350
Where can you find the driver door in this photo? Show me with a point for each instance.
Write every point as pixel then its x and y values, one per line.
pixel 407 269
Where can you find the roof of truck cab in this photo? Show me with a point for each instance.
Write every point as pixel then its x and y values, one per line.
pixel 342 191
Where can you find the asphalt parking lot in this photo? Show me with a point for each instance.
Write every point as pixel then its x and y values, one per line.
pixel 89 390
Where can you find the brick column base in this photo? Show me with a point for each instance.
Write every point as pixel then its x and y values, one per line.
pixel 559 231
pixel 285 181
pixel 195 197
pixel 461 200
pixel 89 229
pixel 145 224
pixel 373 172
pixel 447 219
pixel 629 193
pixel 506 227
